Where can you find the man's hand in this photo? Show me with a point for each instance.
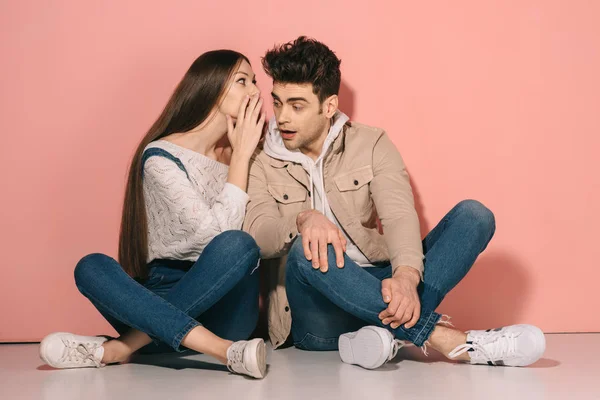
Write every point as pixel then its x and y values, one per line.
pixel 400 293
pixel 317 232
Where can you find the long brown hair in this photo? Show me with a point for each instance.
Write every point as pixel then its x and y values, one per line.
pixel 196 96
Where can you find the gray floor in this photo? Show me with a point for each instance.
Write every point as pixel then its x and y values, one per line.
pixel 570 369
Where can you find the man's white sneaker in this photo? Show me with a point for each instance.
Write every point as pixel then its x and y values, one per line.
pixel 66 350
pixel 513 346
pixel 370 347
pixel 248 357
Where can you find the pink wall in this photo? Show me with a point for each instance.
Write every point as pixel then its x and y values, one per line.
pixel 495 100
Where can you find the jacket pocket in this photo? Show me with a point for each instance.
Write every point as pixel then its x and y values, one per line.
pixel 355 179
pixel 353 192
pixel 286 194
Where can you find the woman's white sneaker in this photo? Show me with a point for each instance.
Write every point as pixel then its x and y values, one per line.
pixel 513 346
pixel 66 350
pixel 248 357
pixel 370 347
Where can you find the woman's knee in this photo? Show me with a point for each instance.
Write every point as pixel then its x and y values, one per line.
pixel 89 267
pixel 235 241
pixel 237 244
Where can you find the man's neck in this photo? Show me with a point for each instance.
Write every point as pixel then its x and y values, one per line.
pixel 314 149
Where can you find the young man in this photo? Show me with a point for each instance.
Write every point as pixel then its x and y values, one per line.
pixel 317 190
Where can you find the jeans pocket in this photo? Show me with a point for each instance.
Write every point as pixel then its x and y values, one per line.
pixel 311 342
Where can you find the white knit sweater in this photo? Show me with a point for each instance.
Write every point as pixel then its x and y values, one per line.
pixel 184 215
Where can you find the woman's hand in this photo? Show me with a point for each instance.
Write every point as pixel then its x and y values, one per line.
pixel 248 128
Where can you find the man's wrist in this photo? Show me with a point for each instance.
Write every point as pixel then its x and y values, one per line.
pixel 301 218
pixel 405 272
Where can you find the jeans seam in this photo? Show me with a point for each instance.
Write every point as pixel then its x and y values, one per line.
pixel 120 317
pixel 220 282
pixel 179 337
pixel 429 324
pixel 318 338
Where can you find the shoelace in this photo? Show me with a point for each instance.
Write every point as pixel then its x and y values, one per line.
pixel 236 357
pixel 80 352
pixel 491 346
pixel 398 344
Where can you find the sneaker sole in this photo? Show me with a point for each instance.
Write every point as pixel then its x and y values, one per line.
pixel 257 350
pixel 367 348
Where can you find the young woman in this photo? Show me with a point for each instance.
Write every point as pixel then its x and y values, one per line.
pixel 186 275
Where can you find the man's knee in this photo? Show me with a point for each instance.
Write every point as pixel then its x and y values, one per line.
pixel 296 259
pixel 477 215
pixel 297 252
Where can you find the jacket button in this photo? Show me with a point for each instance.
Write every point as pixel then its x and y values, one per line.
pixel 285 197
pixel 291 235
pixel 355 182
pixel 287 309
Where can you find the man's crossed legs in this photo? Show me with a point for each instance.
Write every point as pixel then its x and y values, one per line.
pixel 327 308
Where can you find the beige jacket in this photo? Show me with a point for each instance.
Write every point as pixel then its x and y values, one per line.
pixel 365 179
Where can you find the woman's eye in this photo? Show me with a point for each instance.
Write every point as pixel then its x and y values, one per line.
pixel 242 81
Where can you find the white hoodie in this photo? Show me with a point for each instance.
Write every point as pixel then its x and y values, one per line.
pixel 275 148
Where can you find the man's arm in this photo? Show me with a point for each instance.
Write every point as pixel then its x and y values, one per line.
pixel 393 197
pixel 272 232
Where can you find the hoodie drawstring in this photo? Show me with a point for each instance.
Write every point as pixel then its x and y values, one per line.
pixel 310 188
pixel 322 188
pixel 318 165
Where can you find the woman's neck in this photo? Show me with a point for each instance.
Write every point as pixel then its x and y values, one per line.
pixel 209 139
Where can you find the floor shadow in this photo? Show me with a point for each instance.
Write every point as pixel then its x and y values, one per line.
pixel 545 363
pixel 414 353
pixel 176 361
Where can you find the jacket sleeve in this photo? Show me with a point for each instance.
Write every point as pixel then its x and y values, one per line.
pixel 393 197
pixel 273 232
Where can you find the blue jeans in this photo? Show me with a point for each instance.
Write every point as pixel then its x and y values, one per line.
pixel 218 291
pixel 326 305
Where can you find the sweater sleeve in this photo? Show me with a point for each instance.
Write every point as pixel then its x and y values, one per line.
pixel 186 221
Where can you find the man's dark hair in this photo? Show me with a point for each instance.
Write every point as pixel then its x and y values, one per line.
pixel 305 60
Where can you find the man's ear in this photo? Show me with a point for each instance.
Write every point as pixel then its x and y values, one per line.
pixel 330 105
